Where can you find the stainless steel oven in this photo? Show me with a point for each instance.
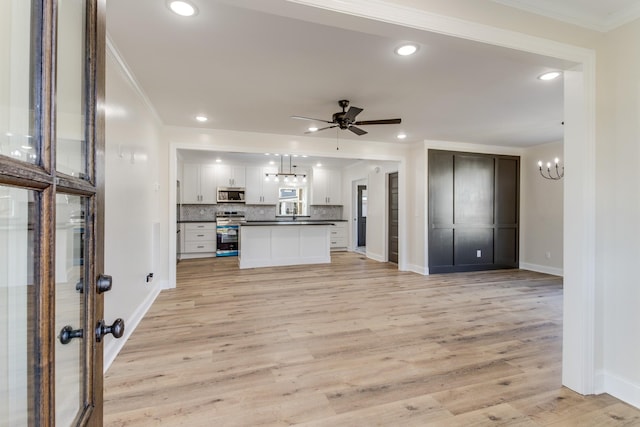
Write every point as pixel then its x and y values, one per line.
pixel 228 232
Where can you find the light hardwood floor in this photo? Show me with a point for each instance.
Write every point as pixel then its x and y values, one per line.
pixel 354 343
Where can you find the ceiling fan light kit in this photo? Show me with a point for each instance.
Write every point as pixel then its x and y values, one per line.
pixel 346 119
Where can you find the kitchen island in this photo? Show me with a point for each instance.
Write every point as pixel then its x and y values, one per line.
pixel 279 243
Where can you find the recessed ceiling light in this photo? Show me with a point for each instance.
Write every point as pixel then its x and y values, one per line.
pixel 182 8
pixel 313 129
pixel 319 164
pixel 218 160
pixel 550 75
pixel 202 119
pixel 402 136
pixel 407 49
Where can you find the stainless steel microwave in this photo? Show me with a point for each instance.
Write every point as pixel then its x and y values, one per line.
pixel 230 195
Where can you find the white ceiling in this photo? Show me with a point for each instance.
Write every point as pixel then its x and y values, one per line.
pixel 251 64
pixel 601 15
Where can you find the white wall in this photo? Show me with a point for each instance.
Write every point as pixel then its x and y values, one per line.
pixel 618 211
pixel 417 209
pixel 541 211
pixel 132 209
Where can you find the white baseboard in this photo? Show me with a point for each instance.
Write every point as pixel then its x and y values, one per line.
pixel 113 346
pixel 618 387
pixel 418 269
pixel 376 257
pixel 542 269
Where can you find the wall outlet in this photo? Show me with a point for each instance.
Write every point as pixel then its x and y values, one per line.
pixel 261 211
pixel 547 255
pixel 478 253
pixel 201 211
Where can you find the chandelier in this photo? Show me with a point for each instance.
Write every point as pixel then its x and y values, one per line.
pixel 290 176
pixel 559 172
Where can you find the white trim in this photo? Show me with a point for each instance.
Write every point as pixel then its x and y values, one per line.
pixel 112 50
pixel 571 15
pixel 385 11
pixel 414 268
pixel 618 387
pixel 113 346
pixel 376 257
pixel 542 269
pixel 579 215
pixel 473 148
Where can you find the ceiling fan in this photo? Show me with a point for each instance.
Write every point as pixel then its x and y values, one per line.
pixel 345 119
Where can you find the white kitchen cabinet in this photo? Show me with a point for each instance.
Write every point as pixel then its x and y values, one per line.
pixel 326 187
pixel 259 191
pixel 339 236
pixel 198 184
pixel 199 240
pixel 230 176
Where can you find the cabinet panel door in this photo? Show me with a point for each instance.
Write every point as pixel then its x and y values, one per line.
pixel 238 176
pixel 253 189
pixel 208 187
pixel 474 189
pixel 319 187
pixel 191 183
pixel 334 187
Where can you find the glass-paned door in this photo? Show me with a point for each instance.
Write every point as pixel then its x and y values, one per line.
pixel 51 211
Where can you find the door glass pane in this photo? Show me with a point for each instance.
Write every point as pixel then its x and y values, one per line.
pixel 70 306
pixel 70 95
pixel 16 304
pixel 16 114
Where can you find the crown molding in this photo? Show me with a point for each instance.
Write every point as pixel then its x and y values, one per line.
pixel 575 16
pixel 112 51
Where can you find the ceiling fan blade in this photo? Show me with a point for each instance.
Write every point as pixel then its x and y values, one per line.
pixel 310 118
pixel 357 131
pixel 379 122
pixel 328 127
pixel 351 113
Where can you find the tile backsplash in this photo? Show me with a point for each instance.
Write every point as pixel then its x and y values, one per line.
pixel 252 212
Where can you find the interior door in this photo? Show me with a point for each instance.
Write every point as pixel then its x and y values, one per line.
pixel 362 215
pixel 51 212
pixel 393 217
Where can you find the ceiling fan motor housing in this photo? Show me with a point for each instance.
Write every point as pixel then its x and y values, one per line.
pixel 340 120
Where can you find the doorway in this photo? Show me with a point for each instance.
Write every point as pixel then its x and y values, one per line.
pixel 361 219
pixel 393 217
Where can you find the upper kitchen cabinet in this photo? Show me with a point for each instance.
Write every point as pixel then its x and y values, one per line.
pixel 326 187
pixel 230 176
pixel 199 184
pixel 259 191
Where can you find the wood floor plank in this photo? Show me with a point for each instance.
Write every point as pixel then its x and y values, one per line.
pixel 351 343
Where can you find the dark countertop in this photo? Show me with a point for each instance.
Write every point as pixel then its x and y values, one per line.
pixel 301 222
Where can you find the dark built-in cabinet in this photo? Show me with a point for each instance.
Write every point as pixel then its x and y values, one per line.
pixel 473 211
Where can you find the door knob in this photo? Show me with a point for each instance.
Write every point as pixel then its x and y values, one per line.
pixel 68 333
pixel 117 329
pixel 103 283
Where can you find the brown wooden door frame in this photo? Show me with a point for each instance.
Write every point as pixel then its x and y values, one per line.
pixel 43 178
